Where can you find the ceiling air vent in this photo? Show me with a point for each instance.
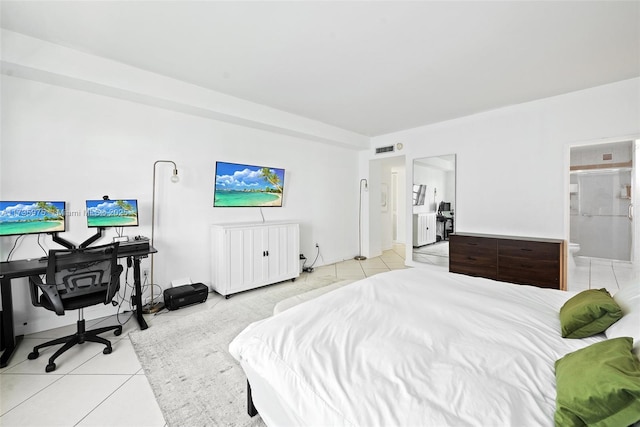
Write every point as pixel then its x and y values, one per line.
pixel 387 149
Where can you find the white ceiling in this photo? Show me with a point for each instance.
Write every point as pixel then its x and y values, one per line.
pixel 369 67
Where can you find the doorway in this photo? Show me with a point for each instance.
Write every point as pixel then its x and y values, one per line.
pixel 387 205
pixel 601 188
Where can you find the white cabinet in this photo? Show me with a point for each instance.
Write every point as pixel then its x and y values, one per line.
pixel 247 256
pixel 424 228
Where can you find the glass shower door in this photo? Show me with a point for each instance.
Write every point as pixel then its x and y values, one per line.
pixel 601 213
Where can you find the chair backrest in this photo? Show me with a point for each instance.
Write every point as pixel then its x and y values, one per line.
pixel 77 272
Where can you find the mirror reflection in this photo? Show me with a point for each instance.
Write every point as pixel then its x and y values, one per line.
pixel 434 194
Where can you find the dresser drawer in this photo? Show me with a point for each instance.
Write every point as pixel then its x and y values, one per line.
pixel 473 256
pixel 529 250
pixel 529 271
pixel 474 266
pixel 473 245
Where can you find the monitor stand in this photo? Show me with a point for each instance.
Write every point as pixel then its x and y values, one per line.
pixel 92 239
pixel 64 242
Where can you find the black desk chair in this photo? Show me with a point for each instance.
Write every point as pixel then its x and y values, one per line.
pixel 448 231
pixel 75 279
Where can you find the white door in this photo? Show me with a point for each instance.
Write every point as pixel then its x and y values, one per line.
pixel 247 258
pixel 258 253
pixel 394 206
pixel 282 256
pixel 635 193
pixel 237 258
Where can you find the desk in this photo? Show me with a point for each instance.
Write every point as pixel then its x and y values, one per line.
pixel 31 267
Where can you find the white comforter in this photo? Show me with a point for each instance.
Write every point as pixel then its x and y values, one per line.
pixel 414 347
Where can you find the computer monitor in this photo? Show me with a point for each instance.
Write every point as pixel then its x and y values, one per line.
pixel 31 217
pixel 112 213
pixel 444 207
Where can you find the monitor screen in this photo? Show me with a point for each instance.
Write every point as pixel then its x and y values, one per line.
pixel 239 185
pixel 444 206
pixel 30 217
pixel 112 213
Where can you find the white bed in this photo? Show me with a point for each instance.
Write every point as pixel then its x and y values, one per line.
pixel 413 347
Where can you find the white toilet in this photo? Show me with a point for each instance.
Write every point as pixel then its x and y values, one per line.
pixel 573 250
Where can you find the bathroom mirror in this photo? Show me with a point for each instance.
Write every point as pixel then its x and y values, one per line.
pixel 434 208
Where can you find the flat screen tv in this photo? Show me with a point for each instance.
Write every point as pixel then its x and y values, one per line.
pixel 31 217
pixel 112 213
pixel 239 185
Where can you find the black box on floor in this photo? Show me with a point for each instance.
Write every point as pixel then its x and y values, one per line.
pixel 180 296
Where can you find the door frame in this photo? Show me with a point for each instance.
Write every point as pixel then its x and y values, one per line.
pixel 635 184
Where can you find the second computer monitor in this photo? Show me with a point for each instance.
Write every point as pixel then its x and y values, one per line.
pixel 112 213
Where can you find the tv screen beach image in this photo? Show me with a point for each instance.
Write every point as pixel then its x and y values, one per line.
pixel 239 185
pixel 112 213
pixel 31 217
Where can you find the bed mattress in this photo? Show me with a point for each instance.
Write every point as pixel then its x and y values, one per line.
pixel 409 348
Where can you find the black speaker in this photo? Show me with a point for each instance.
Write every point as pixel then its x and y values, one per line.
pixel 181 296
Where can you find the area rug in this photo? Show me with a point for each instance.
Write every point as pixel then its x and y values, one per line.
pixel 194 378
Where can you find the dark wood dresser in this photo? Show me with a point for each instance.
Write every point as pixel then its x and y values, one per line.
pixel 521 260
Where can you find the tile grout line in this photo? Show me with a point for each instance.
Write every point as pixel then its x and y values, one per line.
pixel 104 400
pixel 615 277
pixel 33 395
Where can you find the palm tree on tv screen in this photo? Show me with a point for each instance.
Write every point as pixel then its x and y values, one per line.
pixel 51 210
pixel 272 178
pixel 126 207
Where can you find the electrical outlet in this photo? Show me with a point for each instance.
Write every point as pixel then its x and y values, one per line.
pixel 317 245
pixel 145 272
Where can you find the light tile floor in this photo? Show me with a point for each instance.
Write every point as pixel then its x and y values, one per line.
pixel 590 273
pixel 92 389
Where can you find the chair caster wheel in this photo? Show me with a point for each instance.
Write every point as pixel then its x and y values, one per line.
pixel 106 350
pixel 33 355
pixel 50 367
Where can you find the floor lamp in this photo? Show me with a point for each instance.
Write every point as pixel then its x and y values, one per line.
pixel 153 308
pixel 359 257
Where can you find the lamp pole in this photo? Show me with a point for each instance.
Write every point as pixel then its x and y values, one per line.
pixel 360 257
pixel 174 178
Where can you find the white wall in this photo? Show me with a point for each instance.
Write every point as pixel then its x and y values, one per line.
pixel 513 163
pixel 60 143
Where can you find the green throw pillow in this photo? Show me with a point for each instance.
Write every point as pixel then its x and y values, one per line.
pixel 599 386
pixel 588 313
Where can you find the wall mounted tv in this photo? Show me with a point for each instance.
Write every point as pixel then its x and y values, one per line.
pixel 239 185
pixel 27 217
pixel 112 213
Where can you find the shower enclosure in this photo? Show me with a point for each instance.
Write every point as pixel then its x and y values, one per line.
pixel 601 206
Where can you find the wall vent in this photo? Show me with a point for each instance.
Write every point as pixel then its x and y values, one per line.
pixel 386 149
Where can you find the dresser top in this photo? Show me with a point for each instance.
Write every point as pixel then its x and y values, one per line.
pixel 505 237
pixel 253 224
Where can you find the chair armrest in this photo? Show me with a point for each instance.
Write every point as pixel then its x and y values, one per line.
pixel 34 283
pixel 50 292
pixel 114 283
